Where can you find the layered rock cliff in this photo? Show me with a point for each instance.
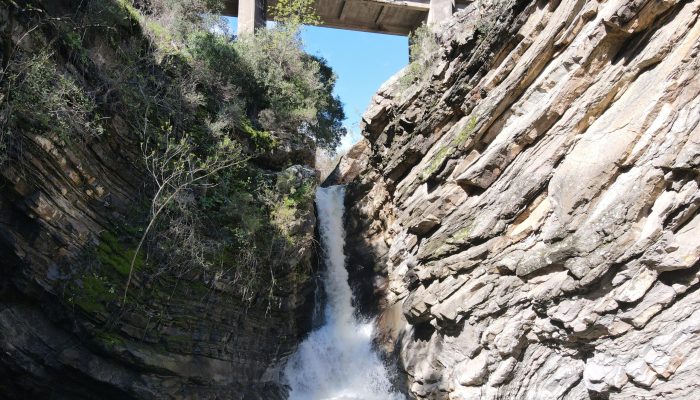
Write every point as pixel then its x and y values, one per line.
pixel 70 202
pixel 530 207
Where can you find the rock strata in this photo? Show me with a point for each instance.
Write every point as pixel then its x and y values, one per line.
pixel 63 332
pixel 531 204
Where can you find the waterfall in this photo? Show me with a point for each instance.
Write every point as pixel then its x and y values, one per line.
pixel 337 361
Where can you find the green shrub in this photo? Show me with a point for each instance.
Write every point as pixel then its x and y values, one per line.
pixel 287 92
pixel 298 87
pixel 295 12
pixel 262 140
pixel 112 14
pixel 423 50
pixel 47 100
pixel 181 17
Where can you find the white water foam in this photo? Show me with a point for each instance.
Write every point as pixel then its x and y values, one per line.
pixel 337 361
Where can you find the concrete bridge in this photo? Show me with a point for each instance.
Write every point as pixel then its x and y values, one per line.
pixel 397 17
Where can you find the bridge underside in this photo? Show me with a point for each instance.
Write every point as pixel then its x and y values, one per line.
pixel 381 16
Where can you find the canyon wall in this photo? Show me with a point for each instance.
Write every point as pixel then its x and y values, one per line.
pixel 528 208
pixel 65 200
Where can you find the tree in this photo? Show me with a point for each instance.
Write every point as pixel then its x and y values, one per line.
pixel 297 88
pixel 175 167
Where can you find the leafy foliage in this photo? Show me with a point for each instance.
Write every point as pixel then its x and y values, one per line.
pixel 265 89
pixel 202 105
pixel 288 93
pixel 295 12
pixel 297 87
pixel 42 97
pixel 423 48
pixel 178 18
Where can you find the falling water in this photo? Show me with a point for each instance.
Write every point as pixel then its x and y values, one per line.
pixel 337 361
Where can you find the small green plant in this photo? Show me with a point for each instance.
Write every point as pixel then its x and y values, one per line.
pixel 92 292
pixel 73 40
pixel 284 200
pixel 262 140
pixel 423 50
pixel 446 151
pixel 109 339
pixel 485 25
pixel 463 233
pixel 436 162
pixel 161 35
pixel 113 14
pixel 467 132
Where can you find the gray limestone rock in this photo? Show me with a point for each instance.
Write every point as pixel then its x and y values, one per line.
pixel 548 183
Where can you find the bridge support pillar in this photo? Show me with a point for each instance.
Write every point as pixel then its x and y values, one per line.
pixel 440 10
pixel 251 16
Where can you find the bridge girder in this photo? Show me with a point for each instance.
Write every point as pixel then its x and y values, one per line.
pixel 397 17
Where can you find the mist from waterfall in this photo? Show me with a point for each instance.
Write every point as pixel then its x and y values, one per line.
pixel 337 361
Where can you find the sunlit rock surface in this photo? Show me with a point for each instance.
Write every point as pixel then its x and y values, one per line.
pixel 531 207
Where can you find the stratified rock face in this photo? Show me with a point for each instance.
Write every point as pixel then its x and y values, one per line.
pixel 534 204
pixel 189 339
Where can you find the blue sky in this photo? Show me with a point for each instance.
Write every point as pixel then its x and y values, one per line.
pixel 362 62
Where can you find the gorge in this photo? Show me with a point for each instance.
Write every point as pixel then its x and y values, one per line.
pixel 520 221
